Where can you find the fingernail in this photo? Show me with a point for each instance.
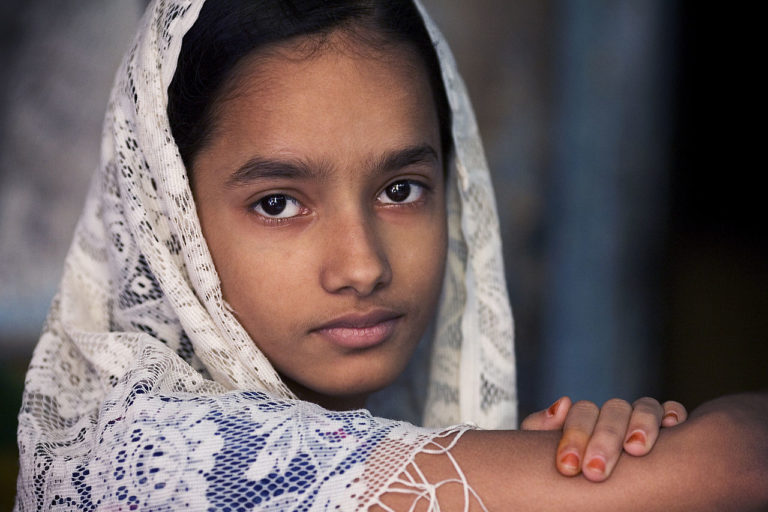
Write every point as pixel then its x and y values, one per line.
pixel 597 464
pixel 672 415
pixel 553 408
pixel 637 437
pixel 570 461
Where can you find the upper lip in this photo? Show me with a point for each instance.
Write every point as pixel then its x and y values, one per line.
pixel 360 320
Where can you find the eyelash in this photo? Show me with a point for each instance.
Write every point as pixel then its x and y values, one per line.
pixel 257 207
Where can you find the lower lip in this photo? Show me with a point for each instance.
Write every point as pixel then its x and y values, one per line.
pixel 357 338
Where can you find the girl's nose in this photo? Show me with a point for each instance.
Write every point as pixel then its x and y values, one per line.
pixel 355 260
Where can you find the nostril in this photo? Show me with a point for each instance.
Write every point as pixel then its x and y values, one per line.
pixel 355 267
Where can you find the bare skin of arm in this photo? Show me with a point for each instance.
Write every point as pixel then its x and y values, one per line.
pixel 717 460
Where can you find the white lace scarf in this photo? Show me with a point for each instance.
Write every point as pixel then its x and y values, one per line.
pixel 145 393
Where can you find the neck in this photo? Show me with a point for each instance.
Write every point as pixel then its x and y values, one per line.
pixel 330 402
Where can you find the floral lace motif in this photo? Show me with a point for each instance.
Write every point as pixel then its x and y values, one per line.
pixel 145 393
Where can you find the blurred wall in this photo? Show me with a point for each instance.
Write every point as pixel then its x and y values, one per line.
pixel 716 278
pixel 626 152
pixel 58 67
pixel 574 100
pixel 58 62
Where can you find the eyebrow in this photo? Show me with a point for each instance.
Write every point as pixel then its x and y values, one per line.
pixel 392 161
pixel 259 168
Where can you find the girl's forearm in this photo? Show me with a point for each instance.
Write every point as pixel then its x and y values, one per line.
pixel 717 460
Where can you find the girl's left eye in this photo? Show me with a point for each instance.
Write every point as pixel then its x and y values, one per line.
pixel 402 192
pixel 277 206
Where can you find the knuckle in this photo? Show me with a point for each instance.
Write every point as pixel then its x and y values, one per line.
pixel 617 404
pixel 574 438
pixel 646 405
pixel 604 431
pixel 585 406
pixel 644 421
pixel 645 402
pixel 671 404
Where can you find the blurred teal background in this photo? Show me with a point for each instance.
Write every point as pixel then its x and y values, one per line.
pixel 623 138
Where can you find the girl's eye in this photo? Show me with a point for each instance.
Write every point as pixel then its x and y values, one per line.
pixel 277 206
pixel 402 192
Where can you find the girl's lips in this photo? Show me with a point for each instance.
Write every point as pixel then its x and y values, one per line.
pixel 360 331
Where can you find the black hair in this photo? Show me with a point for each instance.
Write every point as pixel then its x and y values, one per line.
pixel 228 30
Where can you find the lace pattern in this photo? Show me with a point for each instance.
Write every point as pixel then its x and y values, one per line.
pixel 144 391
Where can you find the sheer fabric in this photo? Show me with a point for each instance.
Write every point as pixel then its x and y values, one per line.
pixel 145 393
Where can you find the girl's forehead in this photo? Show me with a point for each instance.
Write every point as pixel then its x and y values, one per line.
pixel 337 61
pixel 333 105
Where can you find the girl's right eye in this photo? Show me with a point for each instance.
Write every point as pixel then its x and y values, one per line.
pixel 277 206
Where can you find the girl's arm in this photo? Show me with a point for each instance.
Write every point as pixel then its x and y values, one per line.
pixel 717 460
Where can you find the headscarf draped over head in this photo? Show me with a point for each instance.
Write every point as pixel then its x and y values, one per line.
pixel 145 392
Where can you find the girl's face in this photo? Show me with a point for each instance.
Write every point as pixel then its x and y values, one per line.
pixel 321 197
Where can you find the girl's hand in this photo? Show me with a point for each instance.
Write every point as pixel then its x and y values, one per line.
pixel 597 435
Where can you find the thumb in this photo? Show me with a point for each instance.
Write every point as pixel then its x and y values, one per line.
pixel 552 418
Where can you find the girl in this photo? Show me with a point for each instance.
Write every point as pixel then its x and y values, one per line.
pixel 276 223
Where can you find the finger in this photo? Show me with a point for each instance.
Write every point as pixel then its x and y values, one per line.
pixel 674 413
pixel 607 440
pixel 576 432
pixel 551 418
pixel 643 428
